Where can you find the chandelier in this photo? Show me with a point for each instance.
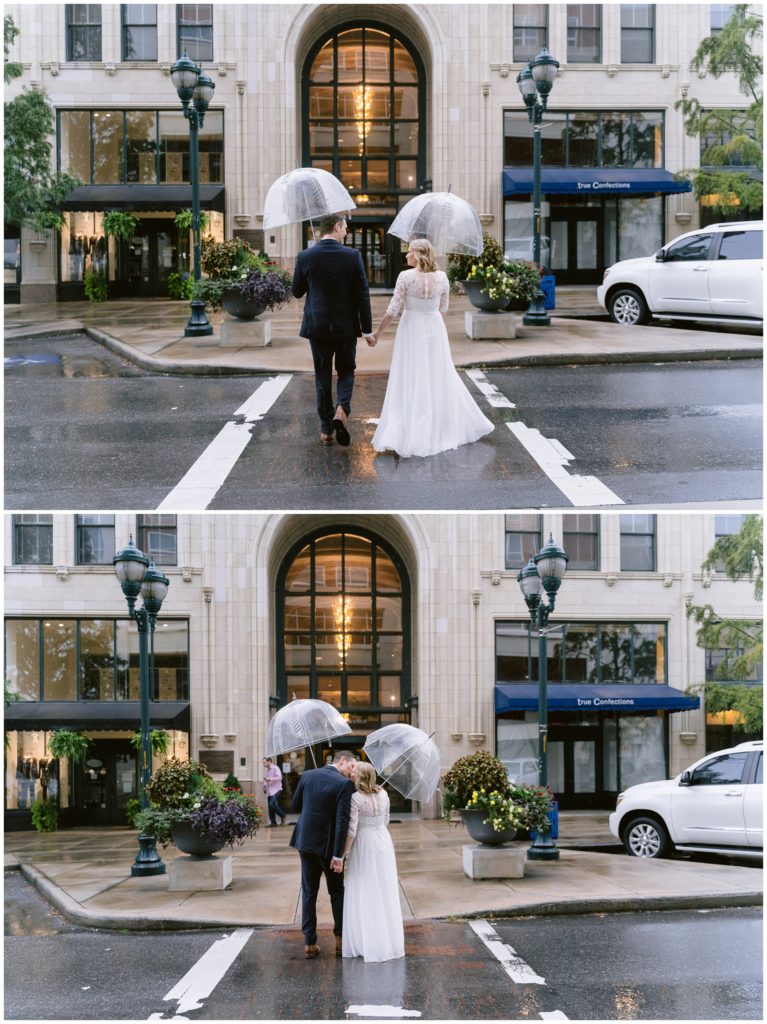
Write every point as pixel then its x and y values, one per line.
pixel 363 111
pixel 342 616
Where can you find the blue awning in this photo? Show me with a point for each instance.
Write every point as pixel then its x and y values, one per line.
pixel 592 181
pixel 593 697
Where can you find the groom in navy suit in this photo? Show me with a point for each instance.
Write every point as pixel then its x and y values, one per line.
pixel 322 801
pixel 336 312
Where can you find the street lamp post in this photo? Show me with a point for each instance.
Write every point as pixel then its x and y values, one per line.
pixel 195 90
pixel 544 571
pixel 137 576
pixel 535 82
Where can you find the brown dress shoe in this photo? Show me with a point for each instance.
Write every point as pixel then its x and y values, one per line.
pixel 310 952
pixel 339 946
pixel 327 439
pixel 341 427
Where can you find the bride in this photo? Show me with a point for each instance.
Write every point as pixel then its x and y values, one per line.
pixel 372 916
pixel 427 407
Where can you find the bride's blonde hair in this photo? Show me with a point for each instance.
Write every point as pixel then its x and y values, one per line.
pixel 424 253
pixel 365 778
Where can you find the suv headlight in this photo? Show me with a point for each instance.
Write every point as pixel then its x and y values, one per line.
pixel 619 800
pixel 606 273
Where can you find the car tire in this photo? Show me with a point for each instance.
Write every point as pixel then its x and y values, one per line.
pixel 646 837
pixel 627 306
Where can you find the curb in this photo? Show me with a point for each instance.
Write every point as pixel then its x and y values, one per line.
pixel 167 365
pixel 76 913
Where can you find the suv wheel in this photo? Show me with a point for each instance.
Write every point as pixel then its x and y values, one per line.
pixel 627 306
pixel 646 837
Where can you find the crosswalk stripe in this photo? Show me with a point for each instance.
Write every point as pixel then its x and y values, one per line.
pixel 494 397
pixel 551 456
pixel 198 982
pixel 516 968
pixel 200 484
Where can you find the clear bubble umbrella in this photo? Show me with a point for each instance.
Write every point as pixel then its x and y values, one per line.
pixel 406 758
pixel 303 194
pixel 302 723
pixel 449 222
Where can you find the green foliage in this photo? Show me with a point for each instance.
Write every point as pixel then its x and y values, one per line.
pixel 66 743
pixel 520 807
pixel 184 218
pixel 733 51
pixel 132 808
pixel 159 822
pixel 175 781
pixel 180 286
pixel 747 701
pixel 741 554
pixel 45 815
pixel 473 772
pixel 500 278
pixel 211 290
pixel 159 740
pixel 458 267
pixel 34 194
pixel 119 224
pixel 10 70
pixel 96 286
pixel 229 260
pixel 10 696
pixel 232 782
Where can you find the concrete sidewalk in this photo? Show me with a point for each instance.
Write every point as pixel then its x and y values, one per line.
pixel 150 333
pixel 86 874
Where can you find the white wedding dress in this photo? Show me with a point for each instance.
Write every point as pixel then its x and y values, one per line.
pixel 372 915
pixel 427 408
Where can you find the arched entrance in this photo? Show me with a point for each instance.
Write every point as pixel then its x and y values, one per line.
pixel 364 120
pixel 343 634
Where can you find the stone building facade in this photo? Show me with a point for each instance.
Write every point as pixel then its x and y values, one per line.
pixel 393 98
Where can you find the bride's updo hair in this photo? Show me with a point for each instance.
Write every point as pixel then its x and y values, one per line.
pixel 365 778
pixel 424 253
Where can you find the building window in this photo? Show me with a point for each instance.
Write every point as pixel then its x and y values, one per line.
pixel 139 31
pixel 637 543
pixel 637 33
pixel 531 31
pixel 590 138
pixel 584 652
pixel 581 540
pixel 33 538
pixel 720 15
pixel 523 539
pixel 83 31
pixel 94 539
pixel 195 31
pixel 343 612
pixel 727 526
pixel 722 662
pixel 57 659
pixel 584 33
pixel 158 538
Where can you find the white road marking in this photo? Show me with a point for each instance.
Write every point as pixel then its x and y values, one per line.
pixel 373 419
pixel 516 968
pixel 379 1012
pixel 495 397
pixel 551 456
pixel 198 983
pixel 554 1015
pixel 199 486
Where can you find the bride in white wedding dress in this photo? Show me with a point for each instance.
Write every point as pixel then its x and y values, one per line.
pixel 427 408
pixel 372 915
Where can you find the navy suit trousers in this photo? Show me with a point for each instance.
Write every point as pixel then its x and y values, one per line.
pixel 323 352
pixel 312 869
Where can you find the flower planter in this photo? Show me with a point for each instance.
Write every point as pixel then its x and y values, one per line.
pixel 481 300
pixel 235 303
pixel 485 834
pixel 190 841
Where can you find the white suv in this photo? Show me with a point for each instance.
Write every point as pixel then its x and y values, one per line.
pixel 714 807
pixel 713 275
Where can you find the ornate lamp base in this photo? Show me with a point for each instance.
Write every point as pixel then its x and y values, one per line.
pixel 197 325
pixel 148 860
pixel 536 315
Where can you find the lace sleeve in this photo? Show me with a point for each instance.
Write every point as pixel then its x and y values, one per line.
pixel 354 818
pixel 444 292
pixel 385 803
pixel 398 298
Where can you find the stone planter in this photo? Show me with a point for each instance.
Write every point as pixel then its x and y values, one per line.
pixel 236 305
pixel 485 834
pixel 482 301
pixel 189 841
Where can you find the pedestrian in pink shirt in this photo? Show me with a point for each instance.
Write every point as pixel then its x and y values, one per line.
pixel 273 787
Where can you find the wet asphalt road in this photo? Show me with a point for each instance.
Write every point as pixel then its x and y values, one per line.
pixel 674 966
pixel 85 429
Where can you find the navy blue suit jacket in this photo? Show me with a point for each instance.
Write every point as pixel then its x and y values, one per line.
pixel 323 801
pixel 333 279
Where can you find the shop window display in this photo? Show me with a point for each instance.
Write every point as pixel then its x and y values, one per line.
pixel 31 773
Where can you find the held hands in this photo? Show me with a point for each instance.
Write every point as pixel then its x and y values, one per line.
pixel 371 339
pixel 337 865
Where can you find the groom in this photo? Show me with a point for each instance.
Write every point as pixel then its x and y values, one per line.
pixel 323 802
pixel 337 310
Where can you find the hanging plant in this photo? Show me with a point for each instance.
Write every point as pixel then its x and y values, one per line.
pixel 66 743
pixel 159 740
pixel 119 224
pixel 184 219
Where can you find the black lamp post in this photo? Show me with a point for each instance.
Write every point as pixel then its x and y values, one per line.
pixel 544 571
pixel 137 575
pixel 195 90
pixel 535 82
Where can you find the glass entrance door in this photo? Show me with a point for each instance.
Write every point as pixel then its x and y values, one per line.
pixel 575 766
pixel 576 244
pixel 149 257
pixel 370 240
pixel 104 783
